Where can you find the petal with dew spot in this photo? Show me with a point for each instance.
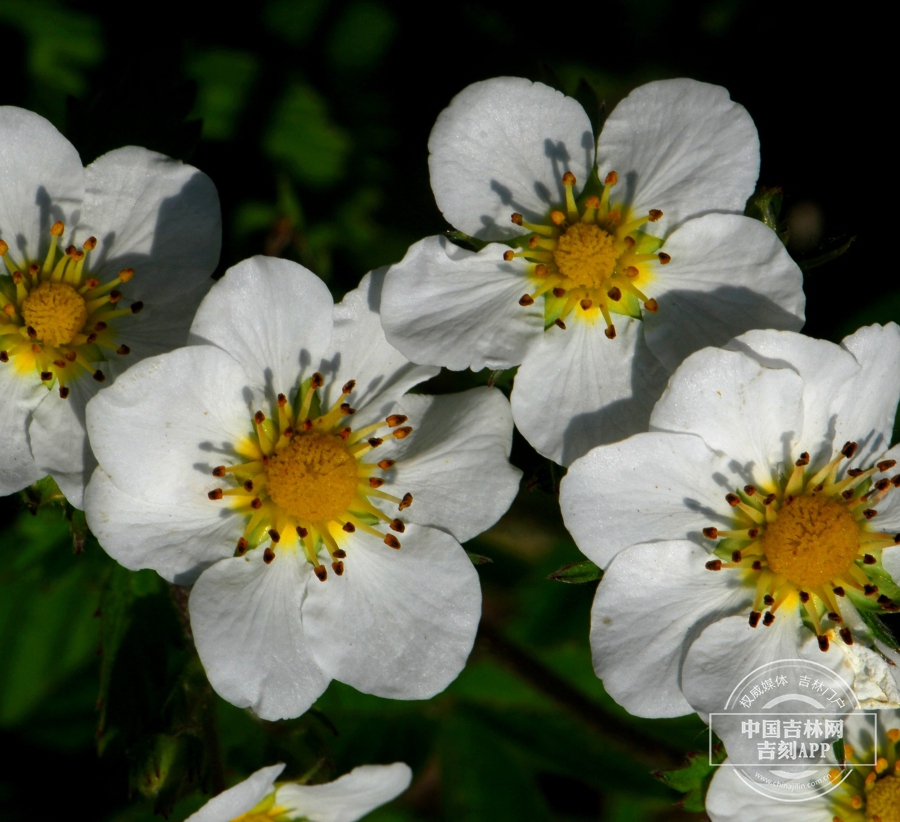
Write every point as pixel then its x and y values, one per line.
pixel 348 798
pixel 273 316
pixel 751 414
pixel 680 146
pixel 20 395
pixel 456 461
pixel 651 603
pixel 246 620
pixel 728 274
pixel 161 428
pixel 239 799
pixel 653 486
pixel 43 181
pixel 577 389
pixel 502 146
pixel 177 541
pixel 59 439
pixel 447 306
pixel 398 623
pixel 360 352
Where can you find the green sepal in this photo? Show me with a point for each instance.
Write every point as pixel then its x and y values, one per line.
pixel 578 572
pixel 727 546
pixel 693 779
pixel 826 256
pixel 44 492
pixel 765 205
pixel 465 241
pixel 478 559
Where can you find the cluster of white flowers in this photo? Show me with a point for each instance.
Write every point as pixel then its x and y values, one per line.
pixel 257 442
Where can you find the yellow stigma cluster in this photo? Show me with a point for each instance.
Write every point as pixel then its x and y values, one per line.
pixel 807 539
pixel 303 483
pixel 870 794
pixel 57 320
pixel 593 261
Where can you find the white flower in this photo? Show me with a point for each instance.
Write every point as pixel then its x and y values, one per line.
pixel 772 455
pixel 85 250
pixel 868 793
pixel 259 799
pixel 595 257
pixel 279 447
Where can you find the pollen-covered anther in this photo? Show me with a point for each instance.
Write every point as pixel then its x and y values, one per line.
pixel 349 527
pixel 768 618
pixel 711 532
pixel 396 419
pixel 714 565
pixel 406 501
pixel 586 304
pixel 338 567
pixel 321 572
pixel 754 618
pixel 655 215
pixel 652 306
pixel 664 259
pixel 610 332
pixel 386 465
pixel 391 541
pixel 375 482
pixel 526 300
pixel 397 525
pixel 268 555
pixel 615 294
pixel 215 494
pixel 824 644
pixel 402 433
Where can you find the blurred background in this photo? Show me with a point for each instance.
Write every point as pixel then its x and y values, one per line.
pixel 312 118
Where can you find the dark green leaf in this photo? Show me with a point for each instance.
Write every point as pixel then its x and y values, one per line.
pixel 693 779
pixel 578 572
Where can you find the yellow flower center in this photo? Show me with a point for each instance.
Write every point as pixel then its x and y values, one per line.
pixel 814 539
pixel 314 478
pixel 55 318
pixel 883 802
pixel 805 538
pixel 56 312
pixel 586 254
pixel 305 481
pixel 590 260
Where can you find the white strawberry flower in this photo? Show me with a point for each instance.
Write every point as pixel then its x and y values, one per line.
pixel 259 798
pixel 756 520
pixel 280 466
pixel 101 267
pixel 630 258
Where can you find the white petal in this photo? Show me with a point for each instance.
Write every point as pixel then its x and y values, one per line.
pixel 825 369
pixel 359 351
pixel 752 414
pixel 728 274
pixel 176 541
pixel 456 461
pixel 890 559
pixel 20 394
pixel 161 427
pixel 503 145
pixel 577 389
pixel 444 305
pixel 349 798
pixel 731 799
pixel 650 487
pixel 59 440
pixel 155 215
pixel 272 315
pixel 652 602
pixel 241 798
pixel 680 146
pixel 398 623
pixel 42 182
pixel 246 620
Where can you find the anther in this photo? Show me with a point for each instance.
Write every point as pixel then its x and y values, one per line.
pixel 557 217
pixel 302 532
pixel 406 501
pixel 540 270
pixel 375 482
pixel 374 441
pixel 123 350
pixel 884 599
pixel 586 304
pixel 631 272
pixel 559 292
pixel 711 532
pixel 610 332
pixel 855 472
pixel 868 559
pixel 391 541
pixel 804 597
pixel 259 417
pixel 306 425
pixel 57 229
pixel 317 380
pixel 823 643
pixel 344 433
pixel 91 338
pixel 558 322
pixel 611 179
pixel 516 218
pixel 568 179
pixel 769 499
pixel 804 460
pixel 754 618
pixel 883 484
pixel 137 307
pixel 339 553
pixel 386 465
pixel 834 616
pixel 870 590
pixel 397 525
pixel 885 465
pixel 248 485
pixel 348 387
pixel 320 572
pixel 849 449
pixel 402 433
pixel 99 376
pixel 215 494
pixel 396 419
pixel 64 392
pixel 846 636
pixel 768 619
pixel 91 243
pixel 869 513
pixel 749 490
pixel 592 202
pixel 242 546
pixel 839 591
pixel 714 565
pixel 337 567
pixel 895 481
pixel 753 533
pixel 346 410
pixel 733 500
pixel 274 535
pixel 768 599
pixel 526 300
pixel 4 356
pixel 534 241
pixel 46 376
pixel 268 555
pixel 757 565
pixel 615 294
pixel 219 471
pixel 256 503
pixel 652 306
pixel 31 332
pixel 655 214
pixel 736 556
pixel 349 527
pixel 114 296
pixel 509 256
pixel 629 243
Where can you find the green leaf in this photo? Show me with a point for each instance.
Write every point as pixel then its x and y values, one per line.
pixel 578 572
pixel 765 205
pixel 693 779
pixel 224 80
pixel 827 256
pixel 362 34
pixel 478 559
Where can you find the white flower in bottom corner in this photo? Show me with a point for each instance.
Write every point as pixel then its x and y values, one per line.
pixel 758 519
pixel 628 258
pixel 281 467
pixel 868 794
pixel 260 799
pixel 101 266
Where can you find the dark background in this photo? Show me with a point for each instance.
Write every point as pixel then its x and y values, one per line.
pixel 312 119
